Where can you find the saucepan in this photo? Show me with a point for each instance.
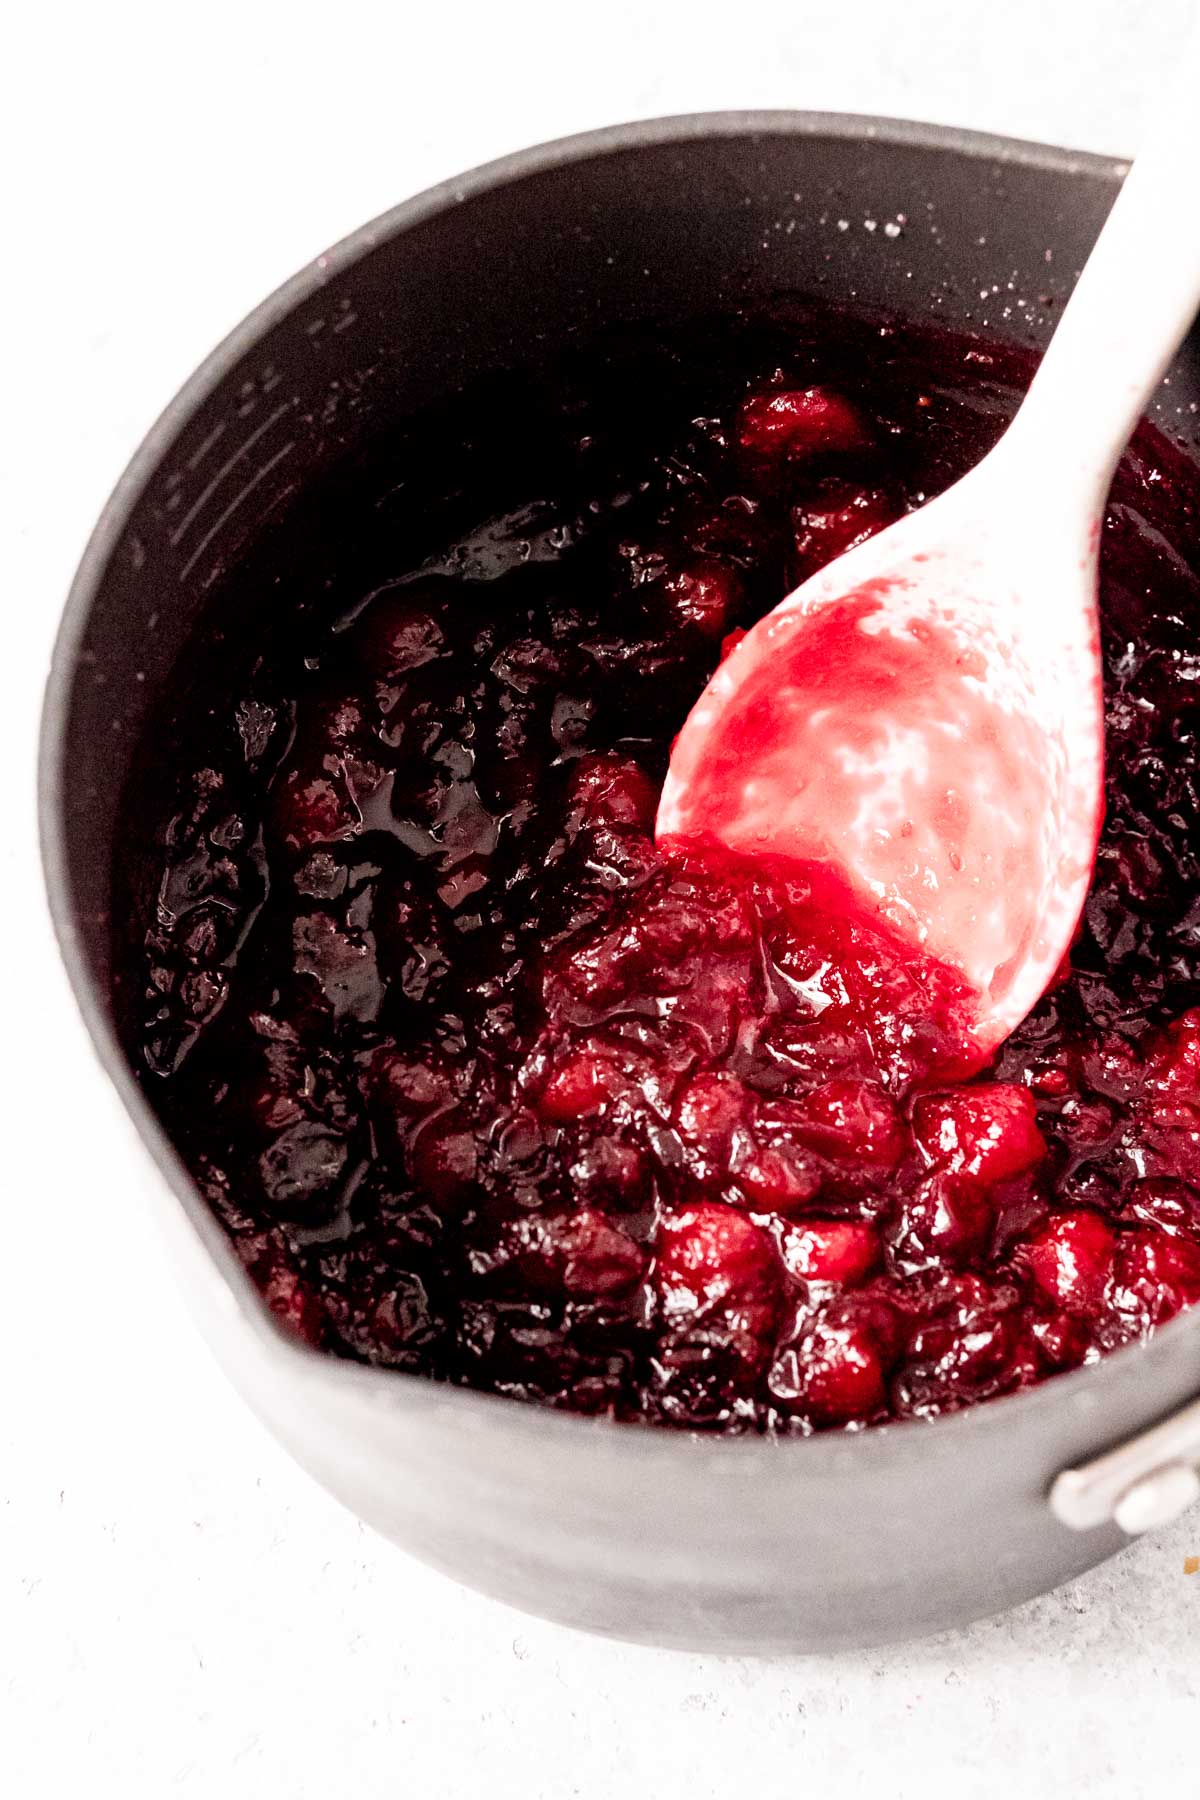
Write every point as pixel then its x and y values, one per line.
pixel 740 1544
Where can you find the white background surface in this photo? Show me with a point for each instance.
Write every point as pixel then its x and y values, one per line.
pixel 181 1611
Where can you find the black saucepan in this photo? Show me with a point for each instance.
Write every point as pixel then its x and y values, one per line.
pixel 739 1544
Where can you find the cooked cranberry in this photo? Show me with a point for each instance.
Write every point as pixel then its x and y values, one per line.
pixel 835 1370
pixel 1171 1206
pixel 1071 1261
pixel 777 1177
pixel 978 1345
pixel 989 1131
pixel 703 597
pixel 1156 1275
pixel 855 1125
pixel 840 1252
pixel 795 422
pixel 717 1271
pixel 290 1297
pixel 945 1222
pixel 582 1254
pixel 709 1111
pixel 1174 1063
pixel 444 1158
pixel 608 1170
pixel 1062 1339
pixel 299 1168
pixel 835 516
pixel 591 1078
pixel 396 634
pixel 401 1323
pixel 410 1086
pixel 611 790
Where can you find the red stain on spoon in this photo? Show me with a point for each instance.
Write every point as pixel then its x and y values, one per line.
pixel 868 736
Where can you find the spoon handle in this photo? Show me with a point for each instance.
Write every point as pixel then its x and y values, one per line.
pixel 1132 306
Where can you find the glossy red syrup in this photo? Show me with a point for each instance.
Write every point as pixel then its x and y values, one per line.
pixel 487 1085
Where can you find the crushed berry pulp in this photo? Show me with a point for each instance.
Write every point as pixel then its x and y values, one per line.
pixel 486 1085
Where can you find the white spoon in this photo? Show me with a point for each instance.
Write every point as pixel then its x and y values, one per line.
pixel 926 713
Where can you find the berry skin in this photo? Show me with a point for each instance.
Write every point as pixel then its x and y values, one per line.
pixel 796 423
pixel 989 1132
pixel 396 634
pixel 833 519
pixel 1156 1276
pixel 834 1252
pixel 611 790
pixel 314 807
pixel 299 1169
pixel 703 597
pixel 834 1371
pixel 716 1269
pixel 945 1223
pixel 582 1255
pixel 1071 1261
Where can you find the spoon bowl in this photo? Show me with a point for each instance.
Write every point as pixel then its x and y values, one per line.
pixel 926 714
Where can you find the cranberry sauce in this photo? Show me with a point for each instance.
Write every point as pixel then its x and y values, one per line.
pixel 487 1086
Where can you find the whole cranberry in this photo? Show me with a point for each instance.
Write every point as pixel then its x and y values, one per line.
pixel 835 1252
pixel 589 1078
pixel 716 1270
pixel 835 517
pixel 702 597
pixel 396 634
pixel 709 1110
pixel 313 806
pixel 854 1124
pixel 1071 1261
pixel 774 1175
pixel 1156 1276
pixel 443 1158
pixel 944 1223
pixel 833 1371
pixel 611 790
pixel 799 422
pixel 989 1131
